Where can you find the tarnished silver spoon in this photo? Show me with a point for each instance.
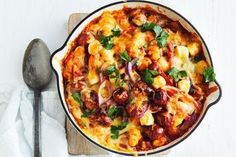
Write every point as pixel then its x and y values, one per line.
pixel 37 75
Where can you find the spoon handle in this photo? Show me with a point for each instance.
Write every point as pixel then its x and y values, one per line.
pixel 37 124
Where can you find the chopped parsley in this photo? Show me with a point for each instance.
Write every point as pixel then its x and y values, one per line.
pixel 173 72
pixel 182 74
pixel 109 46
pixel 153 72
pixel 209 74
pixel 176 74
pixel 158 30
pixel 147 27
pixel 77 97
pixel 86 114
pixel 113 111
pixel 162 39
pixel 115 32
pixel 125 57
pixel 112 69
pixel 106 41
pixel 160 35
pixel 115 129
pixel 148 75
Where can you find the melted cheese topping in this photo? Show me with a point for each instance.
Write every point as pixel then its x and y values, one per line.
pixel 115 69
pixel 179 109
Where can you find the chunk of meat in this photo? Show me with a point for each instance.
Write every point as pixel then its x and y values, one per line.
pixel 90 100
pixel 153 132
pixel 138 109
pixel 160 98
pixel 141 87
pixel 144 145
pixel 101 119
pixel 120 95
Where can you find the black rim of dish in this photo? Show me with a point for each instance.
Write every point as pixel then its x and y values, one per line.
pixel 69 115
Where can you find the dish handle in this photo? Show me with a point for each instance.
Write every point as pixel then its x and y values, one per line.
pixel 215 96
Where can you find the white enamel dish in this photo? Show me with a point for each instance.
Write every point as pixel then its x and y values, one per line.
pixel 59 54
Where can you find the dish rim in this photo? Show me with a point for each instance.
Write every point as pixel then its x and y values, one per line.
pixel 132 153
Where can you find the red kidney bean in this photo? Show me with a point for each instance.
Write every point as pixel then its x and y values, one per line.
pixel 120 95
pixel 137 111
pixel 160 98
pixel 141 87
pixel 91 100
pixel 154 132
pixel 101 119
pixel 144 145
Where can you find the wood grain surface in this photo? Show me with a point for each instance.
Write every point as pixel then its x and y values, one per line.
pixel 77 144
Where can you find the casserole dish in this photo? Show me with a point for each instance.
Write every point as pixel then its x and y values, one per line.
pixel 59 55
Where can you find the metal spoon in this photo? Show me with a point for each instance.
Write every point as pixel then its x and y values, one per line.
pixel 37 75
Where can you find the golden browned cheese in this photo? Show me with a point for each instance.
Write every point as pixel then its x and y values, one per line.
pixel 133 79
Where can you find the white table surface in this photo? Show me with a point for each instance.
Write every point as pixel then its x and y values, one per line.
pixel 23 20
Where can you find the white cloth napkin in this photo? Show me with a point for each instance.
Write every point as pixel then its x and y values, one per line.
pixel 16 123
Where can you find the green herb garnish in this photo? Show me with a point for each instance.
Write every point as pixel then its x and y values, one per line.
pixel 113 112
pixel 173 72
pixel 162 39
pixel 160 35
pixel 86 114
pixel 106 41
pixel 110 70
pixel 124 56
pixel 158 30
pixel 148 75
pixel 209 74
pixel 109 46
pixel 182 74
pixel 176 74
pixel 77 97
pixel 115 129
pixel 153 72
pixel 147 27
pixel 117 75
pixel 115 32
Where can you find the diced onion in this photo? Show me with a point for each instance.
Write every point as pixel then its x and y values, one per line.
pixel 104 92
pixel 134 76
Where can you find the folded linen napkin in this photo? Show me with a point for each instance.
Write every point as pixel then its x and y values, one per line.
pixel 16 123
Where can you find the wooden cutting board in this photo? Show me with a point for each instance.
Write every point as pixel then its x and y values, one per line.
pixel 77 144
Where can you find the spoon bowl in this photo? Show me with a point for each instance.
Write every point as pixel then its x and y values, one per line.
pixel 36 66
